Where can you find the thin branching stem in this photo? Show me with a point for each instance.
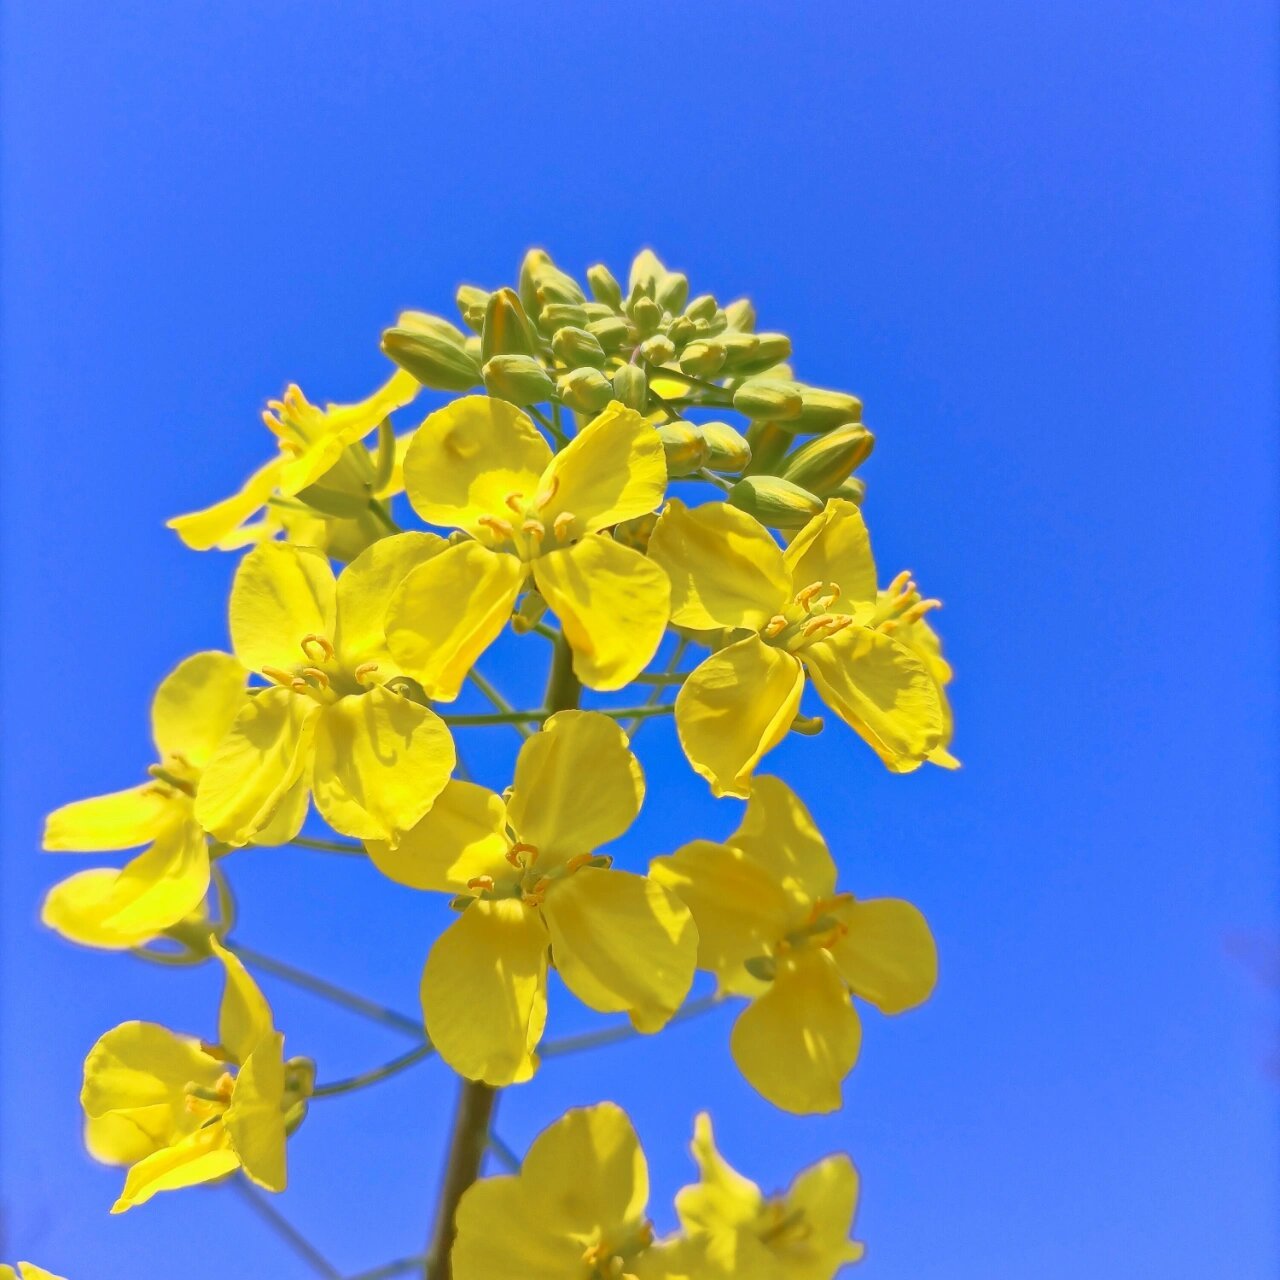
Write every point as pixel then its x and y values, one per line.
pixel 350 847
pixel 505 1156
pixel 540 417
pixel 287 1232
pixel 495 697
pixel 623 1031
pixel 388 1069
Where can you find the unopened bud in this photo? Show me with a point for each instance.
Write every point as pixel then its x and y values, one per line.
pixel 768 398
pixel 822 464
pixel 425 322
pixel 854 489
pixel 727 448
pixel 534 261
pixel 646 314
pixel 657 350
pixel 611 334
pixel 436 362
pixel 822 410
pixel 703 307
pixel 554 286
pixel 520 379
pixel 682 330
pixel 702 359
pixel 672 291
pixel 769 442
pixel 741 316
pixel 770 349
pixel 585 390
pixel 631 387
pixel 471 304
pixel 597 311
pixel 574 347
pixel 604 287
pixel 775 502
pixel 685 446
pixel 506 328
pixel 555 315
pixel 646 271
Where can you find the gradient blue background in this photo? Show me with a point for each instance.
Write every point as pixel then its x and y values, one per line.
pixel 1036 239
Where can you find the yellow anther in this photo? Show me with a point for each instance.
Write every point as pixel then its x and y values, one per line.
pixel 513 854
pixel 889 626
pixel 516 502
pixel 920 608
pixel 534 528
pixel 299 685
pixel 563 523
pixel 317 675
pixel 820 623
pixel 775 624
pixel 901 583
pixel 484 883
pixel 502 528
pixel 841 621
pixel 803 597
pixel 533 897
pixel 577 861
pixel 364 672
pixel 321 643
pixel 545 495
pixel 278 674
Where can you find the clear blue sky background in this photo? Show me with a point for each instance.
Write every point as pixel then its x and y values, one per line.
pixel 1035 238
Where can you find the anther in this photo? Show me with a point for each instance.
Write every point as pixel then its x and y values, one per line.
pixel 321 643
pixel 317 675
pixel 841 621
pixel 278 674
pixel 820 623
pixel 299 685
pixel 803 597
pixel 499 526
pixel 920 608
pixel 484 883
pixel 513 854
pixel 578 861
pixel 516 502
pixel 535 528
pixel 901 583
pixel 775 624
pixel 563 523
pixel 364 671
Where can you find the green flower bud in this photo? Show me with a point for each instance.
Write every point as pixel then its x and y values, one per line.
pixel 703 307
pixel 611 334
pixel 534 261
pixel 769 349
pixel 775 502
pixel 520 379
pixel 604 287
pixel 769 442
pixel 853 488
pixel 506 328
pixel 685 447
pixel 576 347
pixel 424 322
pixel 682 330
pixel 598 311
pixel 555 315
pixel 436 362
pixel 646 272
pixel 657 350
pixel 554 286
pixel 631 387
pixel 768 398
pixel 702 359
pixel 528 613
pixel 727 447
pixel 647 314
pixel 824 463
pixel 740 316
pixel 822 410
pixel 472 303
pixel 586 390
pixel 712 328
pixel 672 291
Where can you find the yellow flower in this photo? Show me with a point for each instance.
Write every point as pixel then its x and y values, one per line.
pixel 575 1211
pixel 811 608
pixel 180 1111
pixel 621 942
pixel 334 722
pixel 480 465
pixel 772 927
pixel 923 641
pixel 192 711
pixel 26 1271
pixel 802 1234
pixel 313 444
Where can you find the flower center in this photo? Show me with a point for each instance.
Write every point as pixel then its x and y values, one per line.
pixel 522 528
pixel 780 1227
pixel 293 420
pixel 807 619
pixel 207 1103
pixel 901 604
pixel 320 675
pixel 608 1258
pixel 527 881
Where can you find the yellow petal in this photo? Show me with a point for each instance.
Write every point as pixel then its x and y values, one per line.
pixel 834 547
pixel 614 469
pixel 365 588
pixel 447 612
pixel 735 707
pixel 29 1271
pixel 613 603
pixel 722 1197
pixel 887 956
pixel 244 1017
pixel 281 594
pixel 463 836
pixel 826 1194
pixel 725 568
pixel 199 1157
pixel 255 1117
pixel 195 705
pixel 577 786
pixel 586 1173
pixel 622 943
pixel 291 812
pixel 201 530
pixel 739 909
pixel 484 991
pixel 778 833
pixel 466 458
pixel 121 909
pixel 881 691
pixel 796 1043
pixel 254 771
pixel 380 762
pixel 118 820
pixel 523 1248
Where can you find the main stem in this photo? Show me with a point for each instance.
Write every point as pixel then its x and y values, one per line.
pixel 478 1101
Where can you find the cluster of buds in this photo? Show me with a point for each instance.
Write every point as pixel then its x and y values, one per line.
pixel 686 363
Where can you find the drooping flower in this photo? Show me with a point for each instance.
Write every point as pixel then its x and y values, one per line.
pixel 193 709
pixel 480 465
pixel 772 927
pixel 811 608
pixel 801 1234
pixel 532 880
pixel 180 1111
pixel 335 722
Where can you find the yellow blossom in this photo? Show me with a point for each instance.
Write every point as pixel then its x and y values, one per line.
pixel 575 1211
pixel 314 445
pixel 193 709
pixel 335 721
pixel 802 1234
pixel 772 927
pixel 480 465
pixel 26 1271
pixel 811 608
pixel 180 1111
pixel 922 640
pixel 533 881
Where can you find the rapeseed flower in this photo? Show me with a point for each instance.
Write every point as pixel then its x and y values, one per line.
pixel 26 1271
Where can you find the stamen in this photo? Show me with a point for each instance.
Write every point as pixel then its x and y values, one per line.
pixel 803 597
pixel 292 448
pixel 299 685
pixel 545 495
pixel 533 897
pixel 920 608
pixel 499 526
pixel 364 671
pixel 516 502
pixel 325 647
pixel 901 583
pixel 775 624
pixel 535 528
pixel 821 622
pixel 578 861
pixel 563 523
pixel 842 620
pixel 484 883
pixel 278 674
pixel 513 854
pixel 317 675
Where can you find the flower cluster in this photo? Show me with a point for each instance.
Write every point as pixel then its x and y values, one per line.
pixel 632 476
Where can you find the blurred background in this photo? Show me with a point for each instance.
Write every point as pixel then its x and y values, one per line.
pixel 1037 240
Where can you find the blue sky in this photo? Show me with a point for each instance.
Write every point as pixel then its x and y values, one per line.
pixel 1037 240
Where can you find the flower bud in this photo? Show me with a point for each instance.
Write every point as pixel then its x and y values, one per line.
pixel 534 261
pixel 703 307
pixel 769 350
pixel 425 322
pixel 853 488
pixel 727 447
pixel 631 387
pixel 611 334
pixel 769 442
pixel 597 311
pixel 646 314
pixel 768 398
pixel 436 362
pixel 646 271
pixel 740 316
pixel 520 379
pixel 604 287
pixel 685 446
pixel 471 304
pixel 775 502
pixel 574 347
pixel 702 359
pixel 657 350
pixel 556 315
pixel 682 330
pixel 822 410
pixel 672 291
pixel 585 390
pixel 554 286
pixel 825 462
pixel 506 328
